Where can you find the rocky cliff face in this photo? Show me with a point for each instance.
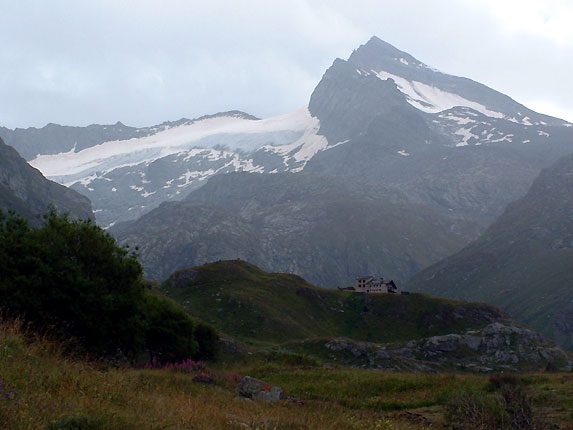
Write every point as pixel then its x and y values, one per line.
pixel 447 142
pixel 24 190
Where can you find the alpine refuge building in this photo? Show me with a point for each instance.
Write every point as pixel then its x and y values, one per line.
pixel 370 284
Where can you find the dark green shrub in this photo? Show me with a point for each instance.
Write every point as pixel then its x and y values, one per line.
pixel 473 411
pixel 497 382
pixel 208 340
pixel 509 409
pixel 89 422
pixel 71 275
pixel 170 331
pixel 80 422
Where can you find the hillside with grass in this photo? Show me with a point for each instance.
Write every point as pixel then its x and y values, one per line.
pixel 256 306
pixel 283 314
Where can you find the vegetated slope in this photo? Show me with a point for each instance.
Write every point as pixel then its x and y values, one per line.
pixel 524 261
pixel 23 189
pixel 252 305
pixel 389 331
pixel 327 229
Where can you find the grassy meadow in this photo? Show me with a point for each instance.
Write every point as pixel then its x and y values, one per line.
pixel 43 388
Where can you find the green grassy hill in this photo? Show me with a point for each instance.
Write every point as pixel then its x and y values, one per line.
pixel 256 307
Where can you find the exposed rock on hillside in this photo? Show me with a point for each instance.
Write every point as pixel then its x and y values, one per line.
pixel 255 389
pixel 500 346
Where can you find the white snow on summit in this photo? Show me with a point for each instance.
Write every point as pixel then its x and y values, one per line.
pixel 432 99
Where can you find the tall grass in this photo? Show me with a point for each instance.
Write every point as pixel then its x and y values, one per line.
pixel 42 388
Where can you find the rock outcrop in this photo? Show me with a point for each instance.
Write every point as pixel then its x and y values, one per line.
pixel 500 346
pixel 255 389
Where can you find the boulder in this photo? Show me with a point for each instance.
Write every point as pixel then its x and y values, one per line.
pixel 255 389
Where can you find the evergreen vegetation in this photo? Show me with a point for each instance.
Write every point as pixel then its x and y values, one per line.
pixel 70 277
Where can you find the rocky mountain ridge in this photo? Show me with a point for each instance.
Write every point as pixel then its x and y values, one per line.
pixel 449 143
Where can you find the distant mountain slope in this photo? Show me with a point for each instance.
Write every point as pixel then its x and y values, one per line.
pixel 432 91
pixel 24 190
pixel 447 142
pixel 523 262
pixel 390 331
pixel 54 138
pixel 169 161
pixel 59 139
pixel 327 229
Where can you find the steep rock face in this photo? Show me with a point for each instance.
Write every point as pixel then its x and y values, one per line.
pixel 523 262
pixel 379 55
pixel 366 98
pixel 447 142
pixel 327 229
pixel 24 190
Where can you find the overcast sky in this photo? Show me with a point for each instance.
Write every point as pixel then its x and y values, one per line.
pixel 142 62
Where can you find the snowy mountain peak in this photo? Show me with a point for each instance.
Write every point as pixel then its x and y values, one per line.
pixel 376 49
pixel 432 91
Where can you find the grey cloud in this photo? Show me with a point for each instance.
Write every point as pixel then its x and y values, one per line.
pixel 143 62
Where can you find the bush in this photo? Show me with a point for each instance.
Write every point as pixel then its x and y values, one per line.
pixel 170 332
pixel 71 277
pixel 89 422
pixel 208 341
pixel 510 407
